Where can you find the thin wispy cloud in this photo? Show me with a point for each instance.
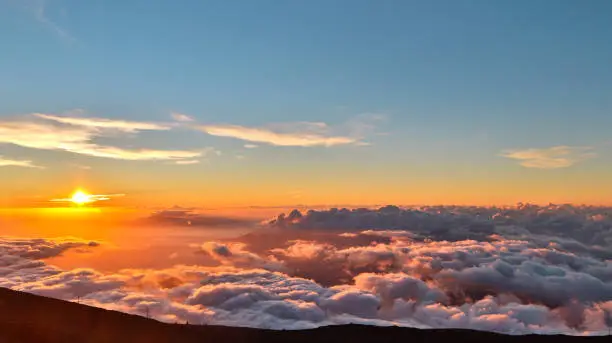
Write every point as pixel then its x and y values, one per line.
pixel 7 162
pixel 132 154
pixel 76 135
pixel 181 117
pixel 267 136
pixel 39 12
pixel 80 166
pixel 102 123
pixel 302 134
pixel 187 162
pixel 365 124
pixel 550 158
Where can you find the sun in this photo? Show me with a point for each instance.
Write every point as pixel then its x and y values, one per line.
pixel 80 198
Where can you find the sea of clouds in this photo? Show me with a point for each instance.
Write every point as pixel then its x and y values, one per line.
pixel 517 270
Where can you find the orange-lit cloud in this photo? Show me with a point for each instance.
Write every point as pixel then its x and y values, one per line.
pixel 550 158
pixel 5 162
pixel 90 198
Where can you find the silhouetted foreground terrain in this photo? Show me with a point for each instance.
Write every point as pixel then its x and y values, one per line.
pixel 27 318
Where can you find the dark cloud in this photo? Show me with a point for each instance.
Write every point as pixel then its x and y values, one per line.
pixel 584 227
pixel 188 217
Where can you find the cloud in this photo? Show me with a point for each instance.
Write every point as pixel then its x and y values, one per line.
pixel 550 158
pixel 133 154
pixel 20 258
pixel 268 136
pixel 40 248
pixel 517 270
pixel 190 218
pixel 76 135
pixel 38 8
pixel 4 162
pixel 235 254
pixel 186 162
pixel 80 166
pixel 101 123
pixel 181 117
pixel 303 134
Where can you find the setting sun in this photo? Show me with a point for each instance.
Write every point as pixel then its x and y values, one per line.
pixel 80 198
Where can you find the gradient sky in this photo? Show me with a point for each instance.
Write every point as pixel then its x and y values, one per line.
pixel 306 102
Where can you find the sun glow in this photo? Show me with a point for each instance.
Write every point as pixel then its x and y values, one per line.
pixel 80 198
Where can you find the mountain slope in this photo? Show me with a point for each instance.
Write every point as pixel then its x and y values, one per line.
pixel 27 318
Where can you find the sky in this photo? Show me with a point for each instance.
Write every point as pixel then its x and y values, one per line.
pixel 277 103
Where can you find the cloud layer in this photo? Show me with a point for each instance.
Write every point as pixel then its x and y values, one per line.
pixel 525 269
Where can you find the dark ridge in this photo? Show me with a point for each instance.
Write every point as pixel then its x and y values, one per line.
pixel 27 318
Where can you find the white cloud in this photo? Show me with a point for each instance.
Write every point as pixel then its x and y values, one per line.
pixel 550 158
pixel 304 134
pixel 4 162
pixel 132 154
pixel 76 134
pixel 40 135
pixel 186 162
pixel 307 138
pixel 181 117
pixel 101 123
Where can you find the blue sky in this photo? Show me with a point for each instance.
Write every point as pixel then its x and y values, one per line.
pixel 458 82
